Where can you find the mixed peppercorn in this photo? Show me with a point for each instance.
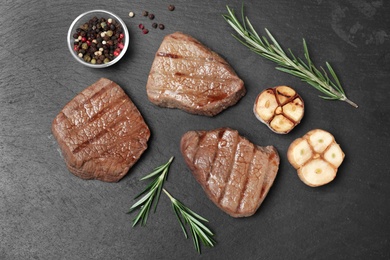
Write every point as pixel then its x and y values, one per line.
pixel 151 16
pixel 99 40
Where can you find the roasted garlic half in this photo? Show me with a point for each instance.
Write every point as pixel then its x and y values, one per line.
pixel 316 156
pixel 280 108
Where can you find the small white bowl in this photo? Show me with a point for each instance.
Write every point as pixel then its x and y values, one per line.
pixel 84 18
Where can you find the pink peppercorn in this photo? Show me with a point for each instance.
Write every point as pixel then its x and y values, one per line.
pixel 116 53
pixel 121 45
pixel 141 26
pixel 145 31
pixel 121 36
pixel 83 39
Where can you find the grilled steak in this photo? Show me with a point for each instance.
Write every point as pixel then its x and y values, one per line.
pixel 101 133
pixel 187 75
pixel 235 174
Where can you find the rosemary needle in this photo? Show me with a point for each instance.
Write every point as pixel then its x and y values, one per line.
pixel 198 230
pixel 152 192
pixel 287 62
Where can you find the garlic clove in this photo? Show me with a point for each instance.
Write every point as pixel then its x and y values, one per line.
pixel 320 140
pixel 334 155
pixel 281 124
pixel 299 152
pixel 265 105
pixel 294 110
pixel 317 172
pixel 284 94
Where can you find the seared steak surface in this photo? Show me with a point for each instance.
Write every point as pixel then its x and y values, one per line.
pixel 187 75
pixel 235 174
pixel 101 133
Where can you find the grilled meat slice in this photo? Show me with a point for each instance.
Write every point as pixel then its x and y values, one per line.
pixel 187 75
pixel 235 174
pixel 101 133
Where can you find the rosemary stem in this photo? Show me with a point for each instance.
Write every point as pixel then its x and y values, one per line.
pixel 298 67
pixel 349 102
pixel 271 50
pixel 168 194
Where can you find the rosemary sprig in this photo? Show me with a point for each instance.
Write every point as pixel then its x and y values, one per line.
pixel 152 193
pixel 198 230
pixel 270 49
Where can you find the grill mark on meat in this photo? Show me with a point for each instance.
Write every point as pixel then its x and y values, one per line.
pixel 213 160
pixel 98 115
pixel 226 179
pixel 168 55
pixel 200 159
pixel 212 166
pixel 135 128
pixel 220 134
pixel 262 190
pixel 98 93
pixel 252 193
pixel 218 90
pixel 206 60
pixel 61 117
pixel 120 100
pixel 216 180
pixel 234 188
pixel 266 177
pixel 109 153
pixel 108 148
pixel 98 135
pixel 94 96
pixel 244 189
pixel 179 74
pixel 188 91
pixel 112 106
pixel 193 65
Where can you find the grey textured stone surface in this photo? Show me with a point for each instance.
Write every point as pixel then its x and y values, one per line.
pixel 47 213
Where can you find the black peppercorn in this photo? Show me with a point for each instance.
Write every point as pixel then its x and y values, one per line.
pixel 154 25
pixel 92 49
pixel 151 16
pixel 84 27
pixel 98 40
pixel 145 13
pixel 161 26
